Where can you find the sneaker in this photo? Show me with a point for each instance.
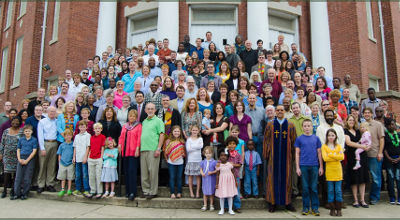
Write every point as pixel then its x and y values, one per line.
pixel 398 202
pixel 231 212
pixel 76 193
pixel 87 194
pixel 61 193
pixel 373 202
pixel 204 208
pixel 392 201
pixel 112 194
pixel 98 196
pixel 212 208
pixel 69 192
pixel 315 213
pixel 305 212
pixel 221 212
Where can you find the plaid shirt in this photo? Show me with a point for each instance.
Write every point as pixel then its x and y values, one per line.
pixel 153 98
pixel 348 106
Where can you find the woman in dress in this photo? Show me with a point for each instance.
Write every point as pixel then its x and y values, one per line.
pixel 8 153
pixel 215 135
pixel 276 51
pixel 168 88
pixel 122 113
pixel 190 116
pixel 244 87
pixel 242 120
pixel 322 89
pixel 111 127
pixel 119 93
pixel 359 177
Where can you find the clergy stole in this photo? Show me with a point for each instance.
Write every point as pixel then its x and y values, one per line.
pixel 278 150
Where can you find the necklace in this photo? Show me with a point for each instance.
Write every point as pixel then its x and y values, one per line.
pixel 396 142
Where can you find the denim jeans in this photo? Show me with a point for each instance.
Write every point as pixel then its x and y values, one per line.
pixel 309 181
pixel 81 175
pixel 250 181
pixel 375 167
pixel 393 175
pixel 334 191
pixel 258 140
pixel 175 176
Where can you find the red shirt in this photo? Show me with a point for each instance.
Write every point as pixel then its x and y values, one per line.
pixel 163 53
pixel 96 143
pixel 89 128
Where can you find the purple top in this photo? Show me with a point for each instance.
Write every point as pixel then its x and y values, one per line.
pixel 242 125
pixel 235 160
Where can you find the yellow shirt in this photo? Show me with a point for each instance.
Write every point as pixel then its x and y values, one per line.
pixel 332 158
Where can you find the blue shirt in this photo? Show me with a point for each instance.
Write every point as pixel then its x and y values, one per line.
pixel 130 81
pixel 46 130
pixel 256 158
pixel 66 150
pixel 199 52
pixel 26 146
pixel 308 149
pixel 259 102
pixel 171 66
pixel 239 146
pixel 34 122
pixel 348 105
pixel 282 96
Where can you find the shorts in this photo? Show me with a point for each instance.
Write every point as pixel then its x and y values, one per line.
pixel 66 172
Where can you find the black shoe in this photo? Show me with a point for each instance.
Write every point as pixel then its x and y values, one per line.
pixel 14 197
pixel 290 208
pixel 238 210
pixel 40 190
pixel 271 208
pixel 131 197
pixel 246 196
pixel 256 196
pixel 151 197
pixel 23 197
pixel 51 189
pixel 4 194
pixel 12 192
pixel 33 188
pixel 143 196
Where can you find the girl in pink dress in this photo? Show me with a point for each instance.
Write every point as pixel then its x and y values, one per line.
pixel 226 183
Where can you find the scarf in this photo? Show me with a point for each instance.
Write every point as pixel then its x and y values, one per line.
pixel 395 139
pixel 174 150
pixel 261 70
pixel 167 118
pixel 130 127
pixel 69 122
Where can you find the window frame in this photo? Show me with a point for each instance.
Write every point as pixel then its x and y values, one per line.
pixel 56 20
pixel 19 51
pixel 3 70
pixel 370 21
pixel 22 9
pixel 10 8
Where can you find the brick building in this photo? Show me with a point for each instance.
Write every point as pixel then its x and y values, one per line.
pixel 357 38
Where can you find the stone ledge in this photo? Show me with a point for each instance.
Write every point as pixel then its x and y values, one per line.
pixel 384 94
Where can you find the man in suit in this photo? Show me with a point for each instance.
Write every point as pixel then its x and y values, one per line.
pixel 180 102
pixel 139 106
pixel 261 67
pixel 168 115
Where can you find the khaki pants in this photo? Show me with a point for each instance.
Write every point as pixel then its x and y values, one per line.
pixel 95 167
pixel 47 164
pixel 149 172
pixel 295 179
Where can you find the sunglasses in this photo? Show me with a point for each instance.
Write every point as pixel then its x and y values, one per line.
pixel 153 85
pixel 85 73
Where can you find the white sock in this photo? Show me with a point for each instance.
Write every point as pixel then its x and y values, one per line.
pixel 230 202
pixel 222 203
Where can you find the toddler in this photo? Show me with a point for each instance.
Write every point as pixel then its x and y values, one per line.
pixel 365 140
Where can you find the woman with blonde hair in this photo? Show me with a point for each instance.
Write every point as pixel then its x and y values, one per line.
pixel 25 103
pixel 224 71
pixel 255 79
pixel 66 120
pixel 204 100
pixel 190 116
pixel 51 93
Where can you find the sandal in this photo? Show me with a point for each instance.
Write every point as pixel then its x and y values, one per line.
pixel 178 196
pixel 364 205
pixel 356 205
pixel 173 196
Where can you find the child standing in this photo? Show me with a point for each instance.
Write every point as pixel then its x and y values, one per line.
pixel 252 170
pixel 109 174
pixel 308 166
pixel 207 170
pixel 85 114
pixel 95 160
pixel 194 144
pixel 65 167
pixel 236 160
pixel 225 183
pixel 26 150
pixel 81 144
pixel 365 140
pixel 174 152
pixel 240 148
pixel 332 153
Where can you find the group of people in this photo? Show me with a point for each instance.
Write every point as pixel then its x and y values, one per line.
pixel 238 122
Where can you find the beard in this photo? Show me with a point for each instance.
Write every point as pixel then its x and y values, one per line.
pixel 329 121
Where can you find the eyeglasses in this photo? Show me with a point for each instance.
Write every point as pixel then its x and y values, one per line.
pixel 153 85
pixel 85 73
pixel 120 85
pixel 325 104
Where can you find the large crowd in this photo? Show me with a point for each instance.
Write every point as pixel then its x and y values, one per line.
pixel 238 122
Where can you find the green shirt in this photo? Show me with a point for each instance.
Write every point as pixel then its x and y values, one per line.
pixel 298 123
pixel 151 130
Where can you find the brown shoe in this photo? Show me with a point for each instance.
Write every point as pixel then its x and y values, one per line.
pixel 332 209
pixel 338 208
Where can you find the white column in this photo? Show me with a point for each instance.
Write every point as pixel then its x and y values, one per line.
pixel 107 26
pixel 168 23
pixel 257 22
pixel 320 36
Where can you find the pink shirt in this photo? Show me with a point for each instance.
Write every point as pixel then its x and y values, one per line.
pixel 118 99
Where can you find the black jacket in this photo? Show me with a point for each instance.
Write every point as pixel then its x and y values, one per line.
pixel 114 130
pixel 143 114
pixel 250 58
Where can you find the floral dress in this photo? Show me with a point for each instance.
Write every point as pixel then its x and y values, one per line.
pixel 8 148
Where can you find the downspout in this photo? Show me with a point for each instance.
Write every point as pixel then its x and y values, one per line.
pixel 42 44
pixel 383 46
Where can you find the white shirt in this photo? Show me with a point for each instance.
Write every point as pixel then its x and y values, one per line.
pixel 74 89
pixel 193 148
pixel 81 142
pixel 235 83
pixel 324 127
pixel 147 57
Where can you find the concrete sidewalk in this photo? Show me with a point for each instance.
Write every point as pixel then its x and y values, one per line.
pixel 39 208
